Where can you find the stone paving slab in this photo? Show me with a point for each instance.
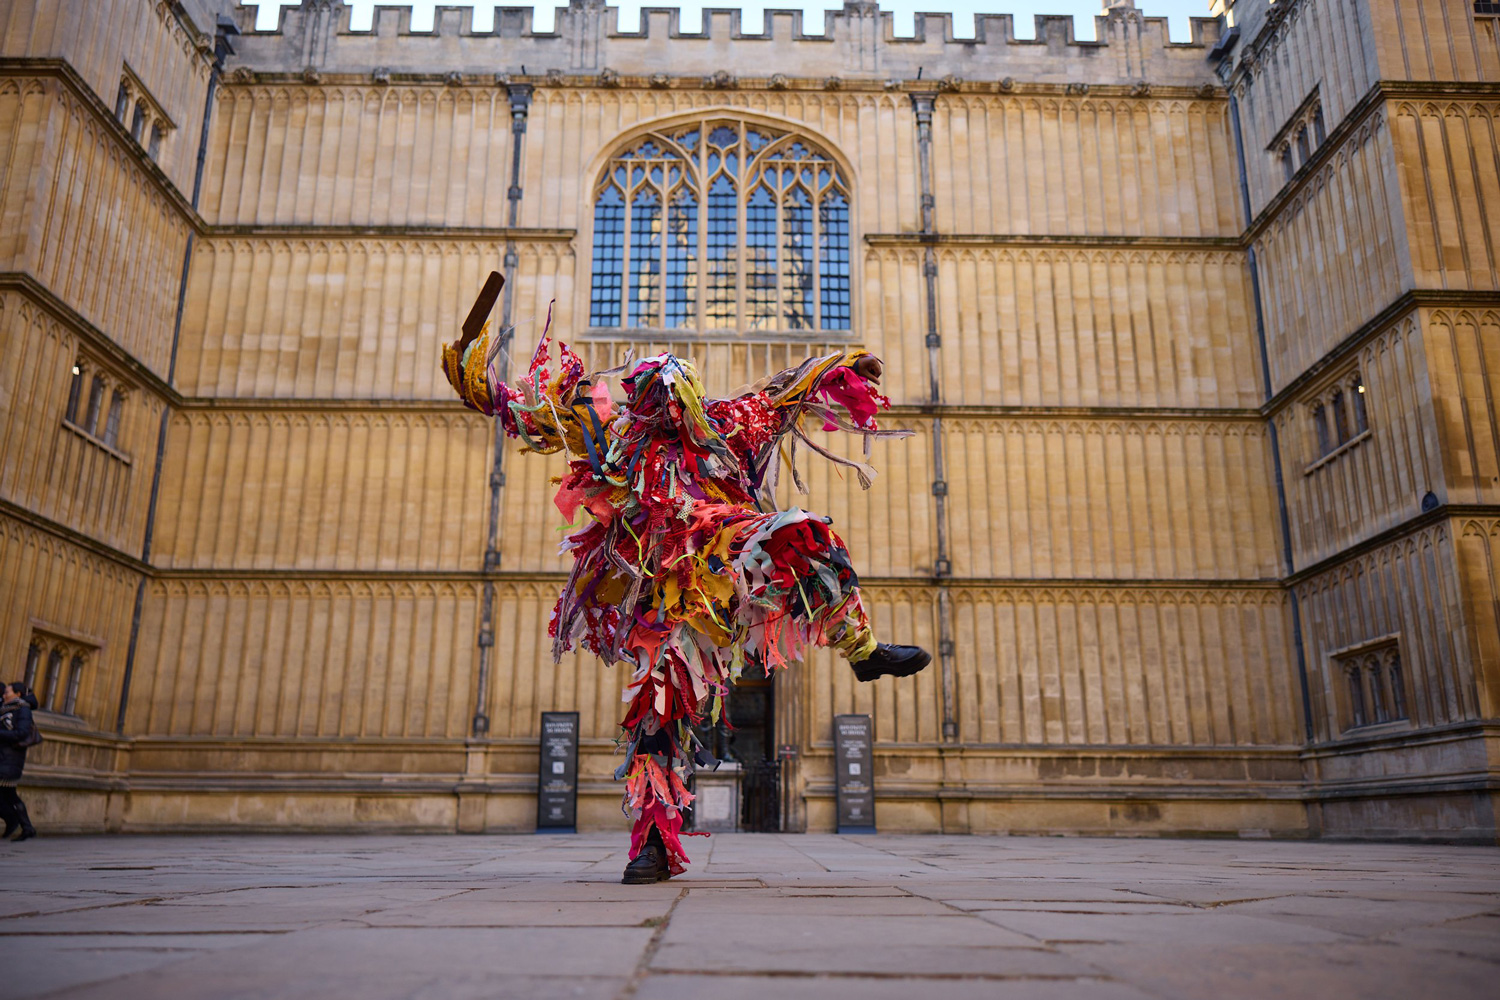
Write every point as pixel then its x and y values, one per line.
pixel 816 987
pixel 793 917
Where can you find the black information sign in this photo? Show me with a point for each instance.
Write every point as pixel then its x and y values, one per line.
pixel 854 765
pixel 557 775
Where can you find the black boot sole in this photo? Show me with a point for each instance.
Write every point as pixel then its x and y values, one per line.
pixel 644 878
pixel 868 673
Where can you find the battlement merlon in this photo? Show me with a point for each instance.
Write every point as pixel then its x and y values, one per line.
pixel 859 44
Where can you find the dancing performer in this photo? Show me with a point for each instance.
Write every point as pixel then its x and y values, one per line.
pixel 684 568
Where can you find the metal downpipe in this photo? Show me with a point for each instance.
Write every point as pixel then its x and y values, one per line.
pixel 520 107
pixel 922 105
pixel 222 48
pixel 1265 369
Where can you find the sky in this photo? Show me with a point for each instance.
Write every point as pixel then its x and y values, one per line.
pixel 1177 12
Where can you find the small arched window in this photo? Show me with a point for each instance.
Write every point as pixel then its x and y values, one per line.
pixel 96 403
pixel 1378 693
pixel 1304 151
pixel 75 393
pixel 723 226
pixel 75 679
pixel 33 661
pixel 1320 429
pixel 111 434
pixel 122 102
pixel 1340 416
pixel 1361 414
pixel 1398 685
pixel 54 678
pixel 1357 714
pixel 155 147
pixel 138 121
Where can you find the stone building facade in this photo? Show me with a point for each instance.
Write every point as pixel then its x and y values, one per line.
pixel 1200 343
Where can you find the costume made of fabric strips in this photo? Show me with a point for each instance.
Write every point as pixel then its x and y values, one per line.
pixel 684 568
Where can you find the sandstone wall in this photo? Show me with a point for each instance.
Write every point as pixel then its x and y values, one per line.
pixel 1131 355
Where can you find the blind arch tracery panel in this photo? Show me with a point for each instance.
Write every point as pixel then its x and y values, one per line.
pixel 722 226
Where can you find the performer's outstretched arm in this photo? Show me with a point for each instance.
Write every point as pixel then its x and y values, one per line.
pixel 549 412
pixel 833 392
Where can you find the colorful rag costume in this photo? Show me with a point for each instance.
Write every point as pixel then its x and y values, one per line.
pixel 684 568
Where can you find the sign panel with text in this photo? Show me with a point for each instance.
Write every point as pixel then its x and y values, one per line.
pixel 854 772
pixel 557 777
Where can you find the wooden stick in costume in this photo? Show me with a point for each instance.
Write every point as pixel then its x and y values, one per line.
pixel 684 569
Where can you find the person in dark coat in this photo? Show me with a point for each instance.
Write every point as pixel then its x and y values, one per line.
pixel 16 733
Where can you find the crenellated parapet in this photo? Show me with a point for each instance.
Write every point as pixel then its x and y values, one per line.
pixel 858 47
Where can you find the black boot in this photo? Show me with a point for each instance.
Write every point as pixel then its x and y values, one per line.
pixel 649 866
pixel 892 661
pixel 24 821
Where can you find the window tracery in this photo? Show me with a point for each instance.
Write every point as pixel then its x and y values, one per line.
pixel 1339 418
pixel 96 406
pixel 54 671
pixel 139 112
pixel 1302 135
pixel 1374 685
pixel 724 226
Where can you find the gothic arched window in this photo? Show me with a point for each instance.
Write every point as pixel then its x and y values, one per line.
pixel 721 226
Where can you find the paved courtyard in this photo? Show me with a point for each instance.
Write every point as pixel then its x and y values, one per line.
pixel 760 916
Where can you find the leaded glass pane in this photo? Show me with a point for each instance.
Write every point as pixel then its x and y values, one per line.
pixel 645 259
pixel 796 267
pixel 833 262
pixel 609 255
pixel 1340 417
pixel 721 259
pixel 760 259
pixel 682 260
